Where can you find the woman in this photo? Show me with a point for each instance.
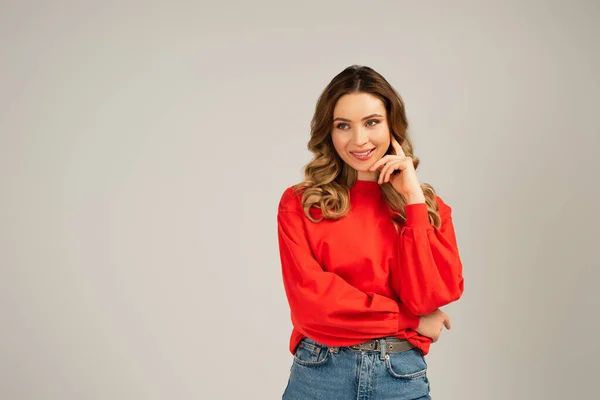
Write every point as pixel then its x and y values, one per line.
pixel 368 253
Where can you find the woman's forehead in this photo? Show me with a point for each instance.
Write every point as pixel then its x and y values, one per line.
pixel 356 106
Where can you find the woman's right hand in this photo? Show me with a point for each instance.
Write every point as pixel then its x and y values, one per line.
pixel 431 325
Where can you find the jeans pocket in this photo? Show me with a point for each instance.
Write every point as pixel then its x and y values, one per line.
pixel 310 353
pixel 409 364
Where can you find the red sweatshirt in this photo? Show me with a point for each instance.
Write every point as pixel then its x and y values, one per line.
pixel 355 279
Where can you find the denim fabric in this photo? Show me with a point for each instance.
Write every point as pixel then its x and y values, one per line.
pixel 321 372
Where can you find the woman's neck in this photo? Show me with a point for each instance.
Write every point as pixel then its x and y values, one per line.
pixel 367 176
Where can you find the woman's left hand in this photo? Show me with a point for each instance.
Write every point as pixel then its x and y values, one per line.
pixel 405 182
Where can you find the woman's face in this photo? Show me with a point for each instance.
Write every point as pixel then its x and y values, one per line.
pixel 360 132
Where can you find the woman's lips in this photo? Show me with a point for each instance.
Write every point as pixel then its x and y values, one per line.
pixel 363 155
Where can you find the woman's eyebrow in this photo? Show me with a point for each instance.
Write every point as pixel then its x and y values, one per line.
pixel 367 117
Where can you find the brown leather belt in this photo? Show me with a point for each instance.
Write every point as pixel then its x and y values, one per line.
pixel 392 345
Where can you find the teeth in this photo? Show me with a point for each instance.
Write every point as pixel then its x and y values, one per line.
pixel 362 154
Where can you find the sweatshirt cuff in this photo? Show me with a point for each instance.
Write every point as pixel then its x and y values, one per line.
pixel 416 214
pixel 408 321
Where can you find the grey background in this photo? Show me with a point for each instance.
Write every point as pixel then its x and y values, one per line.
pixel 144 147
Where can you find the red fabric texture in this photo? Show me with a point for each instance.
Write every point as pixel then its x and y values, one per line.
pixel 356 278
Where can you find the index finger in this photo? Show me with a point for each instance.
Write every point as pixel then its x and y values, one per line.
pixel 397 147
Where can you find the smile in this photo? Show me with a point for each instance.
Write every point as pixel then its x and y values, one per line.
pixel 364 155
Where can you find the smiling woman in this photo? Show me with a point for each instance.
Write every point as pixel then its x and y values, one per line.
pixel 368 253
pixel 357 140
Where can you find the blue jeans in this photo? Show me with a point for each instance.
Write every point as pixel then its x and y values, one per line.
pixel 321 372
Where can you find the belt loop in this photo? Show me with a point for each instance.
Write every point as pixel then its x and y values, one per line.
pixel 382 348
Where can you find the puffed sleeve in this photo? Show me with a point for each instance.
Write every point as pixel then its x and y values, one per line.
pixel 429 265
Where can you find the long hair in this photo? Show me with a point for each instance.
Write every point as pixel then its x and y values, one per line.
pixel 327 178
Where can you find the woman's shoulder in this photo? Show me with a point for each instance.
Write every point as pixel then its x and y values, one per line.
pixel 442 205
pixel 444 210
pixel 291 199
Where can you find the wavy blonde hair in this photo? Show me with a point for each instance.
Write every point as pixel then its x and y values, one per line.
pixel 328 178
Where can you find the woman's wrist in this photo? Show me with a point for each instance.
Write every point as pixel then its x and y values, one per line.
pixel 415 198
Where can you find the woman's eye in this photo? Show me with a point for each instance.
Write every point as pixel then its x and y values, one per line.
pixel 342 125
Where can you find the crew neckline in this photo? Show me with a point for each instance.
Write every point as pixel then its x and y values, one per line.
pixel 364 182
pixel 361 185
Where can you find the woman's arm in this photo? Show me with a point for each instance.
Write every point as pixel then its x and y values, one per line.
pixel 429 268
pixel 323 303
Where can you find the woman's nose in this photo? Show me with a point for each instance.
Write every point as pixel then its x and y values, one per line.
pixel 360 137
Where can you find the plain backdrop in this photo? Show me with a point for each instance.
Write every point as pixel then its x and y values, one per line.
pixel 144 147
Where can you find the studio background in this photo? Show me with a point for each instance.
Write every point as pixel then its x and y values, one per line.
pixel 144 147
